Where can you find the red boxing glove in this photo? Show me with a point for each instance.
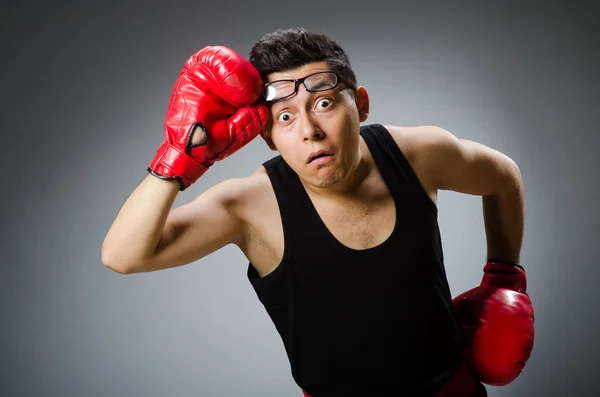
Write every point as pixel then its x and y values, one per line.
pixel 216 92
pixel 497 322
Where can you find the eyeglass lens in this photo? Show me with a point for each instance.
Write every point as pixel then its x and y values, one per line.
pixel 314 83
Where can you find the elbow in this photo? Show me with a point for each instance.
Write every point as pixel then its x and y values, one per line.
pixel 113 265
pixel 510 178
pixel 120 270
pixel 516 179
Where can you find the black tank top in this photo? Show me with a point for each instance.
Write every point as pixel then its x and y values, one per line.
pixel 373 322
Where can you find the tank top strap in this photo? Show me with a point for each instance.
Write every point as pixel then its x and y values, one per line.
pixel 394 167
pixel 295 207
pixel 288 189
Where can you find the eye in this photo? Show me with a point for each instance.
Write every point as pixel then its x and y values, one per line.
pixel 284 117
pixel 324 103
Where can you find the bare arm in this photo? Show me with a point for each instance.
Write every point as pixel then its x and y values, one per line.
pixel 138 226
pixel 148 236
pixel 469 167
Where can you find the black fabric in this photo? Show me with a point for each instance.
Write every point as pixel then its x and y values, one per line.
pixel 374 322
pixel 481 390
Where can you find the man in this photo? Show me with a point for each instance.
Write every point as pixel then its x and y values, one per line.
pixel 340 228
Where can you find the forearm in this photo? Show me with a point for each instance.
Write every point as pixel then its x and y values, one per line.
pixel 504 221
pixel 137 229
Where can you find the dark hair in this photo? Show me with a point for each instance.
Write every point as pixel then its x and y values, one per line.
pixel 291 48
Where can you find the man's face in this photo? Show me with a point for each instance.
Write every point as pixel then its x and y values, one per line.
pixel 308 122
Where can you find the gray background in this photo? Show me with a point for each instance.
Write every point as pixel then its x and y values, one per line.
pixel 84 91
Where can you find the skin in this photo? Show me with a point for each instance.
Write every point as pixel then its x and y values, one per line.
pixel 311 121
pixel 348 193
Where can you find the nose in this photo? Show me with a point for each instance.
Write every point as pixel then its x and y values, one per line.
pixel 310 129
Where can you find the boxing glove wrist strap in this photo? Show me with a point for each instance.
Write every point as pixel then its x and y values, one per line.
pixel 504 275
pixel 502 262
pixel 171 163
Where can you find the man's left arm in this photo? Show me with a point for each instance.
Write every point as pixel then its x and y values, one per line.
pixel 497 316
pixel 469 167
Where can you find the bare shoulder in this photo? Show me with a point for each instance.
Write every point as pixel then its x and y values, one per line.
pixel 412 140
pixel 261 170
pixel 251 191
pixel 421 144
pixel 416 144
pixel 416 139
pixel 258 182
pixel 238 194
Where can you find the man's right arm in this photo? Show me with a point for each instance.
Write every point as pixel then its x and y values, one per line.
pixel 213 112
pixel 147 235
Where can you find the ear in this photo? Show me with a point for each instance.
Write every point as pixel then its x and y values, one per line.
pixel 361 98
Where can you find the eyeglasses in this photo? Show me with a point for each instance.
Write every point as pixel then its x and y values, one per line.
pixel 280 89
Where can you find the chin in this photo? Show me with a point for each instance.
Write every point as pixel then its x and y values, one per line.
pixel 324 183
pixel 327 180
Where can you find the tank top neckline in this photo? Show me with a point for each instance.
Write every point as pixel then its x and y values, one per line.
pixel 335 242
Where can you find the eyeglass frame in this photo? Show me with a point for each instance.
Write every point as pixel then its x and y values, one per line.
pixel 296 82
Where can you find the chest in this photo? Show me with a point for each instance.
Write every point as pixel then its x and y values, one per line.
pixel 355 223
pixel 359 224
